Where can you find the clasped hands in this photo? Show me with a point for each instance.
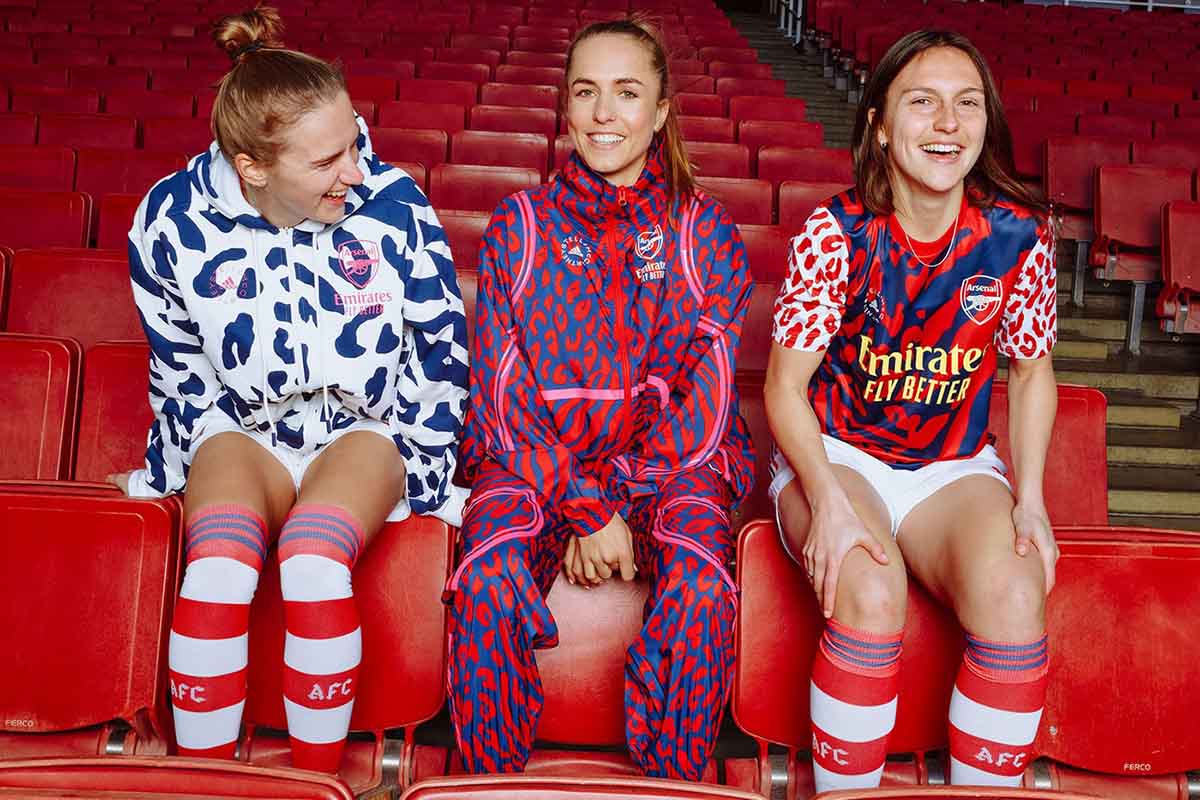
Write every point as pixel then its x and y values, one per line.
pixel 591 560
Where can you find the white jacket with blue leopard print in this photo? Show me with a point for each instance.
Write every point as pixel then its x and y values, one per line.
pixel 300 332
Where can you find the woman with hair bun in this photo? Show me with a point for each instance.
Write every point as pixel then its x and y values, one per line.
pixel 603 432
pixel 308 376
pixel 901 294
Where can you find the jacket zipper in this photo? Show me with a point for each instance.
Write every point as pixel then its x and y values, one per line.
pixel 617 298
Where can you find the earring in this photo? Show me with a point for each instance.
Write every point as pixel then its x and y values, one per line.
pixel 883 145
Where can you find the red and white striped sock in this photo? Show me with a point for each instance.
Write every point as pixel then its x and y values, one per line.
pixel 995 711
pixel 855 679
pixel 318 548
pixel 207 654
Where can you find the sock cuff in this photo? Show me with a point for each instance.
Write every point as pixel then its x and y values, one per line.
pixel 1007 662
pixel 229 530
pixel 326 530
pixel 862 652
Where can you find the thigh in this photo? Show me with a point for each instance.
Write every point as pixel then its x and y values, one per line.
pixel 361 472
pixel 234 468
pixel 691 510
pixel 960 543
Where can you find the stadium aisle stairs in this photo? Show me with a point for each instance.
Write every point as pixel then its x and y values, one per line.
pixel 1153 424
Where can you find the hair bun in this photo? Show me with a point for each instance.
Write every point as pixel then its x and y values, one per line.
pixel 238 35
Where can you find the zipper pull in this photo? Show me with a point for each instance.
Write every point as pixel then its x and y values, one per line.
pixel 622 200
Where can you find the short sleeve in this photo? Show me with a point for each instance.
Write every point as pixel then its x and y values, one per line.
pixel 809 308
pixel 1030 326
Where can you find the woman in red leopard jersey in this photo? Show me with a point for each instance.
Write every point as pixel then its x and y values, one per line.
pixel 901 294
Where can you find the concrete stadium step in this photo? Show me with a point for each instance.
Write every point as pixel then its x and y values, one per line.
pixel 1181 523
pixel 1160 503
pixel 1134 410
pixel 1157 379
pixel 1146 478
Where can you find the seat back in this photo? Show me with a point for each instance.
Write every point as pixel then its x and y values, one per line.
pixel 513 120
pixel 146 103
pixel 463 93
pixel 586 670
pixel 1181 245
pixel 88 130
pixel 40 393
pixel 756 133
pixel 18 128
pixel 719 159
pixel 1070 167
pixel 115 219
pixel 424 146
pixel 778 163
pixel 1075 480
pixel 762 87
pixel 464 230
pixel 454 71
pixel 46 167
pixel 52 99
pixel 449 117
pixel 1170 153
pixel 519 95
pixel 32 218
pixel 782 109
pixel 115 412
pixel 529 150
pixel 53 292
pixel 1113 125
pixel 753 409
pixel 747 200
pixel 706 129
pixel 467 187
pixel 537 76
pixel 1104 591
pixel 1129 201
pixel 766 250
pixel 90 654
pixel 185 135
pixel 699 105
pixel 798 199
pixel 1029 132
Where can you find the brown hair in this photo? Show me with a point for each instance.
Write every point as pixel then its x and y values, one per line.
pixel 679 170
pixel 268 88
pixel 992 173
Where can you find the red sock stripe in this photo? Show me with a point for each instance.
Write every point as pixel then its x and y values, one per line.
pixel 321 530
pixel 998 759
pixel 192 693
pixel 222 751
pixel 323 619
pixel 1006 696
pixel 227 531
pixel 317 757
pixel 202 620
pixel 853 687
pixel 320 691
pixel 847 758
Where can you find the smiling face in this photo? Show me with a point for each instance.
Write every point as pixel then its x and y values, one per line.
pixel 614 105
pixel 317 163
pixel 933 126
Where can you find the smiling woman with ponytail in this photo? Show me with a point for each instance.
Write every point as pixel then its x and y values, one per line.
pixel 307 376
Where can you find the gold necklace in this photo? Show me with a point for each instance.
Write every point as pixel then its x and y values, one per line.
pixel 949 248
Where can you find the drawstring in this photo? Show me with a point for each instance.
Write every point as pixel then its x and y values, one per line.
pixel 325 407
pixel 259 289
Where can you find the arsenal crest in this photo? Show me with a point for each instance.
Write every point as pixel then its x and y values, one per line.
pixel 980 297
pixel 649 243
pixel 358 261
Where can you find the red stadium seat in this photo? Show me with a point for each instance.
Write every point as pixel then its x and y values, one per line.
pixel 416 171
pixel 524 58
pixel 827 165
pixel 449 117
pixel 6 256
pixel 563 148
pixel 1029 132
pixel 115 412
pixel 52 292
pixel 101 172
pixel 952 793
pixel 1129 200
pixel 426 147
pixel 550 787
pixel 115 218
pixel 723 69
pixel 151 60
pixel 106 78
pixel 693 84
pixel 1181 267
pixel 520 95
pixel 1162 92
pixel 398 586
pixel 1111 125
pixel 699 104
pixel 782 109
pixel 1167 153
pixel 144 102
pixel 43 99
pixel 1100 88
pixel 90 543
pixel 379 67
pixel 190 80
pixel 466 187
pixel 32 218
pixel 1137 107
pixel 162 779
pixel 450 71
pixel 538 76
pixel 71 56
pixel 513 120
pixel 489 56
pixel 500 149
pixel 767 250
pixel 798 199
pixel 757 133
pixel 87 130
pixel 42 75
pixel 748 201
pixel 37 433
pixel 706 129
pixel 464 230
pixel 463 93
pixel 688 66
pixel 731 55
pixel 19 128
pixel 1041 87
pixel 375 88
pixel 479 41
pixel 538 45
pixel 191 136
pixel 1187 128
pixel 718 160
pixel 1070 105
pixel 45 167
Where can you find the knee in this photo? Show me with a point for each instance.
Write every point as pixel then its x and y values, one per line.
pixel 1007 603
pixel 312 577
pixel 223 580
pixel 873 599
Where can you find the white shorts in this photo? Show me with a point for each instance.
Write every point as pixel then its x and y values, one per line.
pixel 901 489
pixel 297 462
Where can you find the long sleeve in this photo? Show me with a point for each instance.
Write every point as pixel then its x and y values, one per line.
pixel 431 391
pixel 703 401
pixel 518 431
pixel 183 384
